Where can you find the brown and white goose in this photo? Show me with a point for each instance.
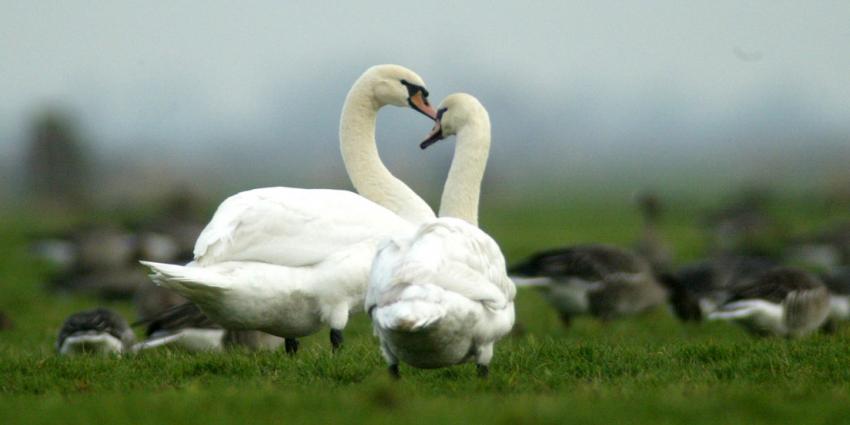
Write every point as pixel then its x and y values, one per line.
pixel 782 301
pixel 601 280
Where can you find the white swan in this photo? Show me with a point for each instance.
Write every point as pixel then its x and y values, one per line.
pixel 442 296
pixel 287 261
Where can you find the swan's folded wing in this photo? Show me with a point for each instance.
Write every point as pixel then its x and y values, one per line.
pixel 292 227
pixel 461 258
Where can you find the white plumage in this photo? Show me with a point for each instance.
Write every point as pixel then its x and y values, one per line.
pixel 291 226
pixel 442 296
pixel 287 261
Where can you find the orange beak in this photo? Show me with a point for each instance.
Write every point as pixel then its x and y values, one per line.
pixel 420 103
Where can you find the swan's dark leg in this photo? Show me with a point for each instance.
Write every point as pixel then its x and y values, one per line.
pixel 483 371
pixel 336 340
pixel 393 370
pixel 291 345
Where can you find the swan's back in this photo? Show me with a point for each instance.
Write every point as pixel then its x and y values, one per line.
pixel 447 253
pixel 292 227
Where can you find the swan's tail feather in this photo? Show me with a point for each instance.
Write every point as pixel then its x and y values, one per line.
pixel 186 280
pixel 414 309
pixel 408 316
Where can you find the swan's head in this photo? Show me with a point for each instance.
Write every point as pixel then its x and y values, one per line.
pixel 454 113
pixel 399 86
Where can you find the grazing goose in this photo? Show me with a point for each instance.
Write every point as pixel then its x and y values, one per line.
pixel 782 301
pixel 98 331
pixel 101 262
pixel 744 227
pixel 440 296
pixel 187 328
pixel 697 289
pixel 288 261
pixel 825 250
pixel 602 280
pixel 170 235
pixel 651 245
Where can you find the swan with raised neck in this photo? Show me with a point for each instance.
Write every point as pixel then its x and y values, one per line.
pixel 442 296
pixel 381 85
pixel 463 115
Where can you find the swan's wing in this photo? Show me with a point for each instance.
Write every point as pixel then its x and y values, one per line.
pixel 292 227
pixel 458 257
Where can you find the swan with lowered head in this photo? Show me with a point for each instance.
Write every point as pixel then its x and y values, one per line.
pixel 287 261
pixel 441 296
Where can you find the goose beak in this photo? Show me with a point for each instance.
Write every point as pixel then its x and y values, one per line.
pixel 420 103
pixel 434 136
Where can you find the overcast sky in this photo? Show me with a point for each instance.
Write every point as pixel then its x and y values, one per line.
pixel 589 80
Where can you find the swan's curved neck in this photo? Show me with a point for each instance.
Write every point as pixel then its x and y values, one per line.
pixel 463 186
pixel 364 166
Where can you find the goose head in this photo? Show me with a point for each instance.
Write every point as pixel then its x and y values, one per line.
pixel 455 112
pixel 398 86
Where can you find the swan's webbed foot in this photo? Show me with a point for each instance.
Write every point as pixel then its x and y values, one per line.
pixel 290 345
pixel 483 371
pixel 336 340
pixel 394 372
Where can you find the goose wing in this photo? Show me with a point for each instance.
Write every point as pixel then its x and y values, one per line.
pixel 587 262
pixel 774 285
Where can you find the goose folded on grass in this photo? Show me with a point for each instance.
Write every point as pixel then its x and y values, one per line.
pixel 99 260
pixel 98 331
pixel 826 249
pixel 288 261
pixel 186 327
pixel 698 288
pixel 782 301
pixel 601 280
pixel 441 296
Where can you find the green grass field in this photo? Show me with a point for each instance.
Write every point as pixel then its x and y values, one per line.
pixel 648 370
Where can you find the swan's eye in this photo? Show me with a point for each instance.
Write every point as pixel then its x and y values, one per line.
pixel 412 89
